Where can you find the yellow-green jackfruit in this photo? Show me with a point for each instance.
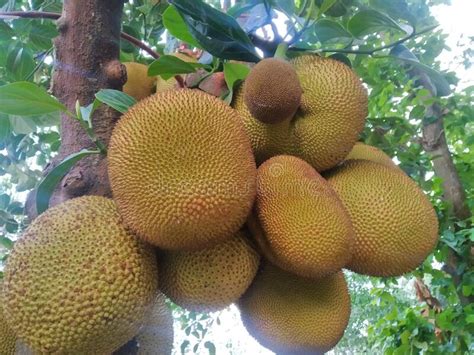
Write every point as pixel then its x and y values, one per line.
pixel 77 282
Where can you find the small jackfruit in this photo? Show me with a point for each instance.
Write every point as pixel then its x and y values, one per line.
pixel 272 91
pixel 139 85
pixel 327 124
pixel 7 336
pixel 292 315
pixel 211 279
pixel 395 225
pixel 367 152
pixel 300 225
pixel 77 282
pixel 182 170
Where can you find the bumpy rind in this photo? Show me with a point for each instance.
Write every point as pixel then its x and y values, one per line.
pixel 77 282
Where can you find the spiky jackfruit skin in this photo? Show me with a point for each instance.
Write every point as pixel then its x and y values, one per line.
pixel 211 279
pixel 7 336
pixel 182 170
pixel 157 335
pixel 272 92
pixel 292 315
pixel 139 85
pixel 301 224
pixel 326 126
pixel 77 282
pixel 363 151
pixel 395 225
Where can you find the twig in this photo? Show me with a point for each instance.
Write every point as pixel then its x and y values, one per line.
pixel 378 49
pixel 54 16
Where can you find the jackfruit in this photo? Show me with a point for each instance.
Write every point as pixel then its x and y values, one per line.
pixel 300 225
pixel 182 170
pixel 171 83
pixel 211 279
pixel 367 152
pixel 77 282
pixel 272 92
pixel 326 126
pixel 293 315
pixel 7 336
pixel 157 335
pixel 395 225
pixel 139 85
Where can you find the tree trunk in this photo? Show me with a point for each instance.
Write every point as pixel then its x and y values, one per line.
pixel 86 60
pixel 435 144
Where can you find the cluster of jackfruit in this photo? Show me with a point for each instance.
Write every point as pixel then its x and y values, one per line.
pixel 194 219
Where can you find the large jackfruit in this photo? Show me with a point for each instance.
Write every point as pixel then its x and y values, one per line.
pixel 292 315
pixel 77 282
pixel 395 225
pixel 210 279
pixel 272 91
pixel 182 170
pixel 327 125
pixel 7 336
pixel 300 225
pixel 363 151
pixel 139 85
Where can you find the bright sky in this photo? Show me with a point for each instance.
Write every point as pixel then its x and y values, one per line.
pixel 456 21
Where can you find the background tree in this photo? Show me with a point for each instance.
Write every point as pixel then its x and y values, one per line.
pixel 416 115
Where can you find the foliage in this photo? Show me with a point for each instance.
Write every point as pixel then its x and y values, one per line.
pixel 381 40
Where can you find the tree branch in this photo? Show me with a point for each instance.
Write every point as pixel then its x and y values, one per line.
pixel 55 16
pixel 378 49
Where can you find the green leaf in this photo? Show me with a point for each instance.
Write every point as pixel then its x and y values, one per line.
pixel 402 53
pixel 26 125
pixel 20 62
pixel 216 32
pixel 326 5
pixel 46 187
pixel 329 31
pixel 6 242
pixel 396 9
pixel 211 347
pixel 234 73
pixel 116 99
pixel 176 26
pixel 366 22
pixel 27 99
pixel 4 201
pixel 470 319
pixel 168 66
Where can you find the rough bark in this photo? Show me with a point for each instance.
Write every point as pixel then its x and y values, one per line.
pixel 436 146
pixel 86 60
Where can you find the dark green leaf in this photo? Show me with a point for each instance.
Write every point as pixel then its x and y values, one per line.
pixel 211 347
pixel 27 99
pixel 403 53
pixel 20 62
pixel 217 32
pixel 46 187
pixel 116 99
pixel 4 201
pixel 329 31
pixel 168 66
pixel 326 5
pixel 184 346
pixel 341 58
pixel 41 35
pixel 395 8
pixel 5 242
pixel 176 26
pixel 366 22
